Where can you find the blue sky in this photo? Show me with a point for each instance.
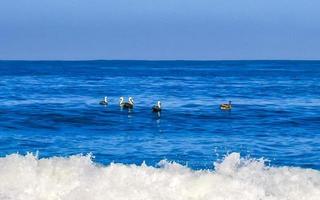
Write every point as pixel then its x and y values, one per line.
pixel 159 29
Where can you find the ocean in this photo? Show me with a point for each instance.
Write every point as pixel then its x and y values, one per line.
pixel 57 142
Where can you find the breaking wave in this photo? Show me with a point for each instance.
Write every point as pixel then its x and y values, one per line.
pixel 78 177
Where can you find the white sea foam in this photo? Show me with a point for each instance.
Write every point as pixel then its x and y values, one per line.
pixel 77 177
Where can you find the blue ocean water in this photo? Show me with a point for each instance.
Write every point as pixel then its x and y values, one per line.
pixel 52 107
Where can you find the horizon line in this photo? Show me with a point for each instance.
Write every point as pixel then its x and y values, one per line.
pixel 150 60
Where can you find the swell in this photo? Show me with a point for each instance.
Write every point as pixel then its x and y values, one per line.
pixel 78 177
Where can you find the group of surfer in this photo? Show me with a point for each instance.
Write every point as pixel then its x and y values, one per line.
pixel 156 108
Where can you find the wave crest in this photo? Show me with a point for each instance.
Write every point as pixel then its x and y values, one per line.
pixel 78 177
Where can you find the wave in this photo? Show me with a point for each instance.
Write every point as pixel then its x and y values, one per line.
pixel 78 177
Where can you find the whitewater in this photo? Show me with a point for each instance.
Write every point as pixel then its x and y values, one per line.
pixel 78 177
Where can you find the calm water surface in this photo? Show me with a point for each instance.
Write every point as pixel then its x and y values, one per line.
pixel 53 108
